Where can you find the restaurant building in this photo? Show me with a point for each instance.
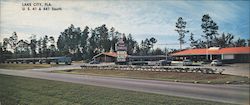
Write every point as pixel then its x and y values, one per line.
pixel 105 57
pixel 227 55
pixel 112 57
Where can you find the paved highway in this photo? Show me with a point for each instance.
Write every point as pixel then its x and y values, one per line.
pixel 232 69
pixel 238 94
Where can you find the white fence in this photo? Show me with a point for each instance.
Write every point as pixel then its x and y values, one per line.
pixel 205 70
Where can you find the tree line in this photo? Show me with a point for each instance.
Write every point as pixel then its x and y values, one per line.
pixel 210 36
pixel 76 43
pixel 83 44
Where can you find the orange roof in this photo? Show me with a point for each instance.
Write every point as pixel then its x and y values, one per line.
pixel 113 54
pixel 232 50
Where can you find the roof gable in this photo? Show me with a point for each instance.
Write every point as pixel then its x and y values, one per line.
pixel 112 54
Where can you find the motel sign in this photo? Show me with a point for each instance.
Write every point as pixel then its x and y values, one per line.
pixel 121 50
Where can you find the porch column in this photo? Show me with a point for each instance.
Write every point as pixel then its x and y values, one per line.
pixel 105 59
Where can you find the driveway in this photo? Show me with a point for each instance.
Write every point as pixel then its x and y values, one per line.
pixel 241 69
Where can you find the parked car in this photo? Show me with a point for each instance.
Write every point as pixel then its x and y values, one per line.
pixel 187 62
pixel 216 63
pixel 94 62
pixel 138 63
pixel 165 62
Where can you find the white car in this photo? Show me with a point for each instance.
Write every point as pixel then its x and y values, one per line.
pixel 216 63
pixel 187 62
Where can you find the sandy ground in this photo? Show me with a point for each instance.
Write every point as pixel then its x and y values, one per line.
pixel 242 69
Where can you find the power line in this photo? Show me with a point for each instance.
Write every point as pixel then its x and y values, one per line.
pixel 171 44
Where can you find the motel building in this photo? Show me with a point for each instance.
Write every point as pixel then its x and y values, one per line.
pixel 227 55
pixel 121 56
pixel 112 57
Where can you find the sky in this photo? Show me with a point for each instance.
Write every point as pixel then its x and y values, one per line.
pixel 143 19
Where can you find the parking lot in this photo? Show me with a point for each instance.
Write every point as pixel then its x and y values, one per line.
pixel 241 69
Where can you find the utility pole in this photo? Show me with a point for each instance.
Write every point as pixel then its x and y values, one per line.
pixel 167 44
pixel 206 51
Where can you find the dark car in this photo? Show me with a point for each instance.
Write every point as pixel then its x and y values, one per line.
pixel 165 62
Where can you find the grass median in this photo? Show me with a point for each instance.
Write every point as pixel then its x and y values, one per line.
pixel 165 76
pixel 26 66
pixel 22 91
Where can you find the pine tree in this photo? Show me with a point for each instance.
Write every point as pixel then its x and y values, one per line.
pixel 180 28
pixel 130 43
pixel 193 42
pixel 210 30
pixel 240 43
pixel 33 45
pixel 224 40
pixel 248 41
pixel 102 33
pixel 112 35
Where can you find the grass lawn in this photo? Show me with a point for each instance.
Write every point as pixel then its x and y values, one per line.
pixel 26 66
pixel 167 76
pixel 20 90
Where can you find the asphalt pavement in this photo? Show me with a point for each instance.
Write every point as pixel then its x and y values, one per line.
pixel 228 93
pixel 232 69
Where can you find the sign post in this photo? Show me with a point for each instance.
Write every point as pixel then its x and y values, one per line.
pixel 121 51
